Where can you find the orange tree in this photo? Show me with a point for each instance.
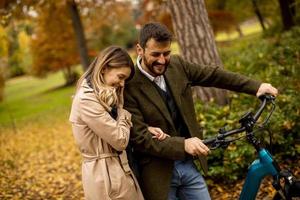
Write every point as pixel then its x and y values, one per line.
pixel 53 43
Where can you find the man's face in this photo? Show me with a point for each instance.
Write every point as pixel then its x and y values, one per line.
pixel 155 57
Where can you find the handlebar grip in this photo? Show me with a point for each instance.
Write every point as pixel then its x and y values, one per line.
pixel 209 141
pixel 267 97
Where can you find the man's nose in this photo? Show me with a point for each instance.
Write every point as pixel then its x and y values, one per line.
pixel 162 59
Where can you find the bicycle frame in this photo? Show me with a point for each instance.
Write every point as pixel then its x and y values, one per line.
pixel 260 168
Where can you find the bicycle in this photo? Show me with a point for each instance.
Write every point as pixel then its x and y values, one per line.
pixel 264 165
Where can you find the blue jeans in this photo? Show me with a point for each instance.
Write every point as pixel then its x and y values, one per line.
pixel 187 183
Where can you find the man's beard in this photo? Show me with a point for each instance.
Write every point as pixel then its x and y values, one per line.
pixel 150 67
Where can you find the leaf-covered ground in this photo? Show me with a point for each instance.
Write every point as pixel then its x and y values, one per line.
pixel 41 161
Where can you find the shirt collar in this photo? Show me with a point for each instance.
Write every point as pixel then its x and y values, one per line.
pixel 138 61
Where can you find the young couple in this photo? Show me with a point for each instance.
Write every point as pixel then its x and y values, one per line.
pixel 156 113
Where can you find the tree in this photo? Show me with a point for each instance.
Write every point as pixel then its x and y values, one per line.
pixel 108 23
pixel 258 14
pixel 19 10
pixel 53 44
pixel 14 58
pixel 222 20
pixel 288 11
pixel 80 37
pixel 155 10
pixel 196 41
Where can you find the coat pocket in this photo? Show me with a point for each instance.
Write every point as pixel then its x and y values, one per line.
pixel 121 185
pixel 115 174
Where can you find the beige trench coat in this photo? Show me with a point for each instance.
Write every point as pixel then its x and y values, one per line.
pixel 102 141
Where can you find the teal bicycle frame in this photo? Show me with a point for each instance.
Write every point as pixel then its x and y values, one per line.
pixel 260 168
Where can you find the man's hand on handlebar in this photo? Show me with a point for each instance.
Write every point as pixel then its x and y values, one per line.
pixel 266 88
pixel 195 147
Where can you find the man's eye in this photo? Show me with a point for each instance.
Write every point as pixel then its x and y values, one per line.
pixel 167 53
pixel 156 54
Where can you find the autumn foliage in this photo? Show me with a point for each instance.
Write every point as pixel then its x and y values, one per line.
pixel 222 21
pixel 155 10
pixel 40 161
pixel 53 44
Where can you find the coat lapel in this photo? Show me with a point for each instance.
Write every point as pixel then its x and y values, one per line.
pixel 173 84
pixel 148 89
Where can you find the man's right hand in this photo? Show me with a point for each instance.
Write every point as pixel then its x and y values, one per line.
pixel 195 147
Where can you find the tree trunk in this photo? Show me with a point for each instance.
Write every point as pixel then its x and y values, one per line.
pixel 239 30
pixel 78 29
pixel 288 11
pixel 258 14
pixel 70 76
pixel 196 41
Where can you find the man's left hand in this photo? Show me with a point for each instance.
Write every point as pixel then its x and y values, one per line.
pixel 266 88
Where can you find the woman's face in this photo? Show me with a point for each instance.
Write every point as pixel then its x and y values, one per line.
pixel 115 77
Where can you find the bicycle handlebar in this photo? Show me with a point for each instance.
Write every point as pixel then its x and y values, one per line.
pixel 247 121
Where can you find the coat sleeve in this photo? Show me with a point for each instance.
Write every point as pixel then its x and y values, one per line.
pixel 215 76
pixel 171 147
pixel 114 132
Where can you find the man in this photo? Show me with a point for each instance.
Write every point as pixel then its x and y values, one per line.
pixel 160 95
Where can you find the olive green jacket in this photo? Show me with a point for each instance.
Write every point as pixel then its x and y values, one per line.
pixel 147 107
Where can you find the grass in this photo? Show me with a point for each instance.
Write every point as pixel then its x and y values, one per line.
pixel 29 99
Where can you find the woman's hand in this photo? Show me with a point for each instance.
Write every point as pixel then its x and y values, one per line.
pixel 157 133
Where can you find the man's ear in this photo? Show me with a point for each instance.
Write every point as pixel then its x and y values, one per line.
pixel 139 50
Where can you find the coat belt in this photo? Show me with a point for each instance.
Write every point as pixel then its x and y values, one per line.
pixel 122 156
pixel 124 162
pixel 89 158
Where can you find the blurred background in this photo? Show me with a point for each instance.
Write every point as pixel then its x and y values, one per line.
pixel 46 45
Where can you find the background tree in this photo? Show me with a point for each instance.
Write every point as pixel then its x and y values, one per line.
pixel 222 19
pixel 14 56
pixel 14 20
pixel 196 41
pixel 288 12
pixel 22 10
pixel 79 33
pixel 155 10
pixel 53 44
pixel 258 14
pixel 107 23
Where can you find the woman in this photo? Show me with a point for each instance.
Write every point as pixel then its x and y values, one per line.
pixel 101 127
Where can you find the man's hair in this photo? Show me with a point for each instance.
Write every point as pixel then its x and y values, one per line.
pixel 157 31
